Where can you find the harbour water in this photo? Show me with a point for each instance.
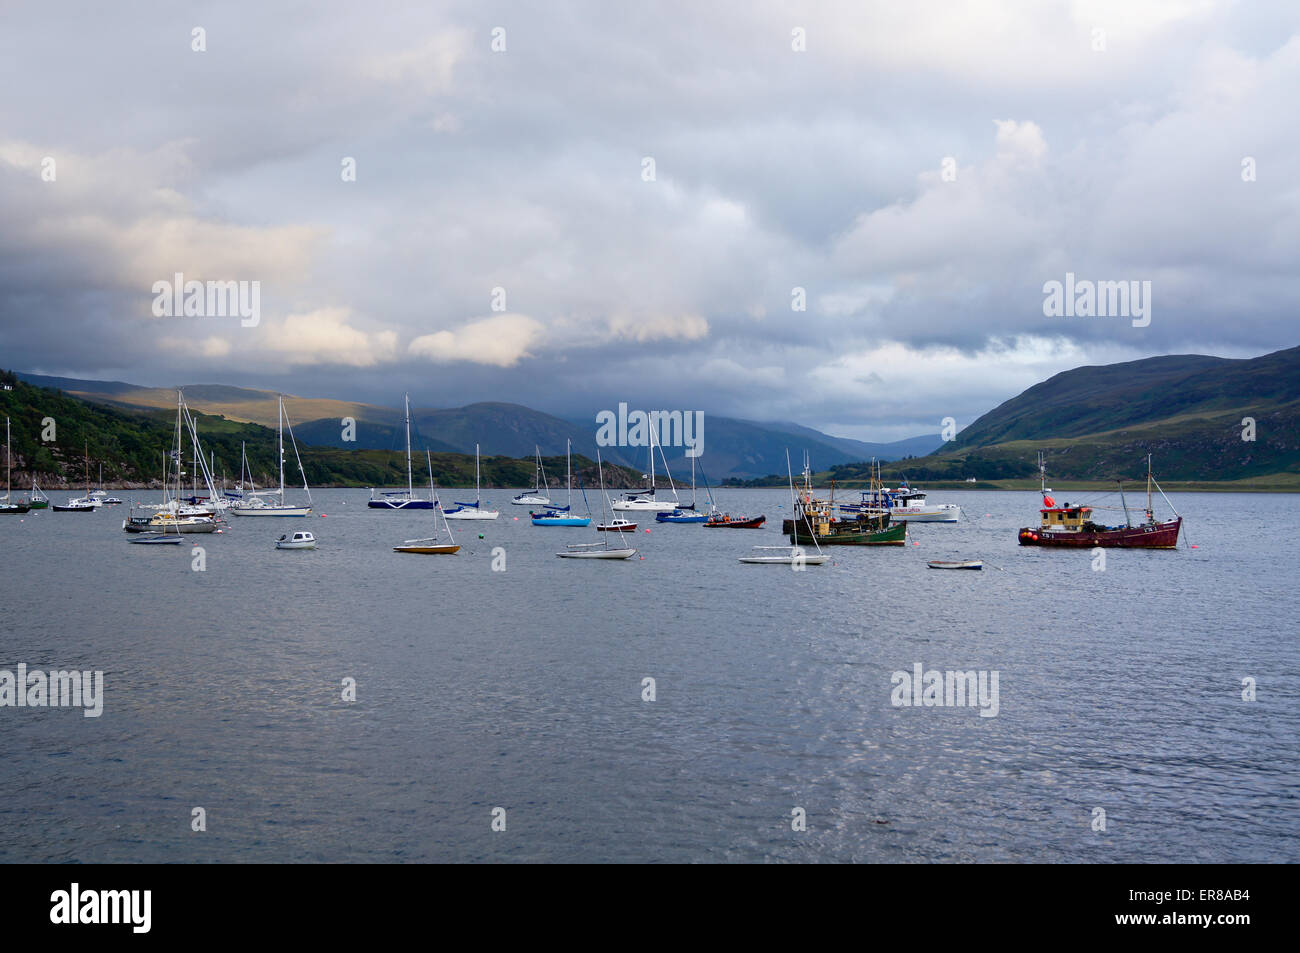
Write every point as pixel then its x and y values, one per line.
pixel 1118 689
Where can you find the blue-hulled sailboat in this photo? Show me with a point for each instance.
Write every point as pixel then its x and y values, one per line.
pixel 561 515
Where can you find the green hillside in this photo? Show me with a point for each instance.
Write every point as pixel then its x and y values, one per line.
pixel 130 445
pixel 1099 423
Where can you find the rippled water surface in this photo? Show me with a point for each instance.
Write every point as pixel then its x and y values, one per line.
pixel 1118 689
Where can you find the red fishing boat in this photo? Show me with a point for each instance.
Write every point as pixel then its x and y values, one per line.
pixel 735 522
pixel 1073 526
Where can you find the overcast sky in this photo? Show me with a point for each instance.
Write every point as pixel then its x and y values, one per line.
pixel 1105 139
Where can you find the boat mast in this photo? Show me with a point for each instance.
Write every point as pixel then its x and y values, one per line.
pixel 568 470
pixel 281 440
pixel 9 464
pixel 477 498
pixel 1150 513
pixel 1127 521
pixel 410 487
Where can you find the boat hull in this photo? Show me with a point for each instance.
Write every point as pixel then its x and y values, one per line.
pixel 270 511
pixel 686 518
pixel 600 554
pixel 943 564
pixel 1150 536
pixel 754 523
pixel 131 527
pixel 399 504
pixel 851 535
pixel 562 521
pixel 13 509
pixel 446 550
pixel 616 528
pixel 470 513
pixel 72 509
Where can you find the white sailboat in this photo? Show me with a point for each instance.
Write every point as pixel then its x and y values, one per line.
pixel 401 499
pixel 643 501
pixel 256 505
pixel 602 549
pixel 538 497
pixel 472 511
pixel 793 555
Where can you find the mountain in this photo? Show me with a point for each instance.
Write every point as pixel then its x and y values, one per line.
pixel 1100 422
pixel 130 441
pixel 734 448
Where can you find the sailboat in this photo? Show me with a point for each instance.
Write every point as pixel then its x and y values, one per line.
pixel 1073 526
pixel 101 495
pixel 538 497
pixel 401 499
pixel 255 505
pixel 471 511
pixel 561 516
pixel 7 506
pixel 155 531
pixel 602 549
pixel 429 546
pixel 84 504
pixel 686 513
pixel 644 501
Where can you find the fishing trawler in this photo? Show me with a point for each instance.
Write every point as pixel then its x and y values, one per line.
pixel 815 521
pixel 1074 526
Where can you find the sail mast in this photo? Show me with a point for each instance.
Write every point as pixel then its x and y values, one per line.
pixel 281 440
pixel 410 487
pixel 477 495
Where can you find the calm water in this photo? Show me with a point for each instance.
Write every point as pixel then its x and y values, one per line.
pixel 522 689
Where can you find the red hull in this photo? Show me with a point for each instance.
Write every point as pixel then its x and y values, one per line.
pixel 628 528
pixel 755 523
pixel 1158 536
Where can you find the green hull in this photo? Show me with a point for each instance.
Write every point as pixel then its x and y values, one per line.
pixel 895 535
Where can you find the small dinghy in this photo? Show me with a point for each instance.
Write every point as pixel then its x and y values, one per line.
pixel 963 564
pixel 616 525
pixel 784 556
pixel 301 540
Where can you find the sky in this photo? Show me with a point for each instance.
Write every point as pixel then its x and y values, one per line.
pixel 573 205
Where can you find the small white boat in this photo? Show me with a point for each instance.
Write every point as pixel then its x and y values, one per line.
pixel 955 564
pixel 158 539
pixel 296 541
pixel 784 556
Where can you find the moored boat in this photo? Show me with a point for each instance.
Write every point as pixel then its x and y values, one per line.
pixel 955 564
pixel 1073 526
pixel 299 540
pixel 8 506
pixel 735 522
pixel 401 499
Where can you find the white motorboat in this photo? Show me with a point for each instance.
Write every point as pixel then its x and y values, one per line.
pixel 296 541
pixel 903 504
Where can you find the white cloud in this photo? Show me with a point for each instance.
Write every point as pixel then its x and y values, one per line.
pixel 502 340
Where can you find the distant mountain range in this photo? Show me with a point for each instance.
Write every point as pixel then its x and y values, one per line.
pixel 1099 423
pixel 733 448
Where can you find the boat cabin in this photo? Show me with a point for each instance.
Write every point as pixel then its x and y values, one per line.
pixel 1066 517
